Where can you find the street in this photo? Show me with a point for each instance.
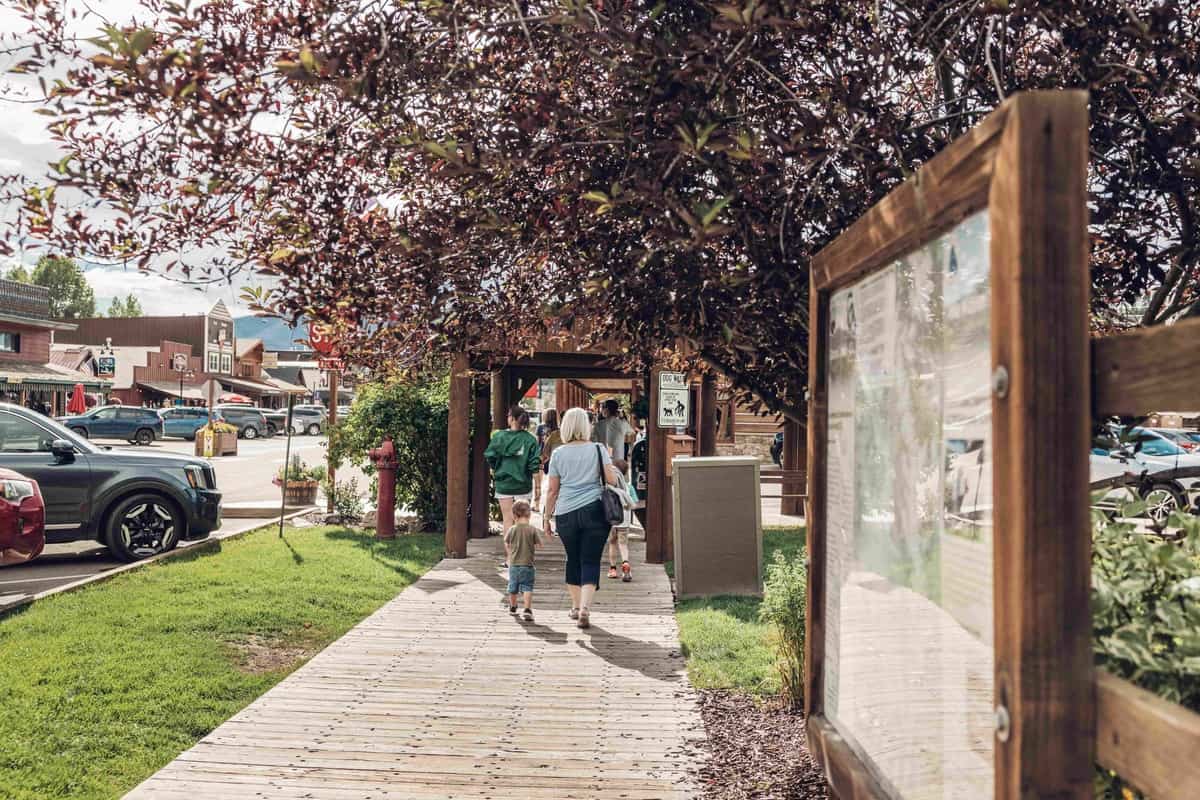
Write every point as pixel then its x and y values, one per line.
pixel 242 479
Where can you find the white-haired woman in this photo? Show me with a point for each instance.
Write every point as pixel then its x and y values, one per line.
pixel 573 502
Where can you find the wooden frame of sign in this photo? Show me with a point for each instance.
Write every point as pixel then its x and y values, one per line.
pixel 1025 165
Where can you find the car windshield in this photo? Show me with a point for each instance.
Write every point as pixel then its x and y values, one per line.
pixel 1153 445
pixel 61 431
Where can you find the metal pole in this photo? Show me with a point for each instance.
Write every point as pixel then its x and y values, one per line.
pixel 287 457
pixel 333 400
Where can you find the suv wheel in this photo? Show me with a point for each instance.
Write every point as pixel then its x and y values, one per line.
pixel 81 431
pixel 142 525
pixel 144 437
pixel 314 430
pixel 249 432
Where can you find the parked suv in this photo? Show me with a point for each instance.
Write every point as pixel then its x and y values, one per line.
pixel 249 420
pixel 138 503
pixel 184 420
pixel 305 419
pixel 134 424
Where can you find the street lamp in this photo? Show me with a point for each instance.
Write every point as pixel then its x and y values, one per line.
pixel 184 374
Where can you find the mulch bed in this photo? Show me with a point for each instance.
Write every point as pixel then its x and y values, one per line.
pixel 757 750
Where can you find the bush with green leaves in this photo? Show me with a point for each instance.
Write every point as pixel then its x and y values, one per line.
pixel 784 606
pixel 1146 614
pixel 347 500
pixel 414 413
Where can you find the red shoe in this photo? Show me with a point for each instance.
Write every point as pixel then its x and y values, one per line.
pixel 612 572
pixel 626 572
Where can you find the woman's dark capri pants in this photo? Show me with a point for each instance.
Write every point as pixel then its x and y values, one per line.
pixel 584 532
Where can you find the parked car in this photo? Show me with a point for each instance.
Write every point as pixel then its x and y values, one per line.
pixel 134 424
pixel 22 518
pixel 305 419
pixel 1152 467
pixel 777 449
pixel 137 503
pixel 249 420
pixel 184 421
pixel 1188 440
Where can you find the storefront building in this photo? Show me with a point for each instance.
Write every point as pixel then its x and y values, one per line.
pixel 28 375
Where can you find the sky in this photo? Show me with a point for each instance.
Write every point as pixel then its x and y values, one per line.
pixel 25 146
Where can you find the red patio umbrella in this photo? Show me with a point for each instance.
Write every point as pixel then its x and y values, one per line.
pixel 78 403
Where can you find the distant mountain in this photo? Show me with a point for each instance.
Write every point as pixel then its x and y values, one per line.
pixel 275 333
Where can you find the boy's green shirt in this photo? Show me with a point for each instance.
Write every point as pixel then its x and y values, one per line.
pixel 515 458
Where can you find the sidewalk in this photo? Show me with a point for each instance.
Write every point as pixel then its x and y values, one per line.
pixel 442 694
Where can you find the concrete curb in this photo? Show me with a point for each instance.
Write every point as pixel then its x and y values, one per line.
pixel 210 543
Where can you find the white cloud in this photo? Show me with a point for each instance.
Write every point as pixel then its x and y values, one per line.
pixel 158 295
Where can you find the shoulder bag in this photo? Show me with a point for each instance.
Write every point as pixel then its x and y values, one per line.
pixel 614 513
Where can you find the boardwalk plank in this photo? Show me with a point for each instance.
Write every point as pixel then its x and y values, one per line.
pixel 442 694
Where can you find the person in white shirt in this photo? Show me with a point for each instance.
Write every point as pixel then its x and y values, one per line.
pixel 611 431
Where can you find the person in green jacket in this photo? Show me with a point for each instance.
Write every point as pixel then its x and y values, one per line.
pixel 515 459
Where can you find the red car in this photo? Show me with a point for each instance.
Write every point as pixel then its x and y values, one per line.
pixel 22 518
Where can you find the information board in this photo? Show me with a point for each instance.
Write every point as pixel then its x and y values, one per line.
pixel 674 400
pixel 908 671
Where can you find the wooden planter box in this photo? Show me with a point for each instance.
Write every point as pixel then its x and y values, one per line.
pixel 299 493
pixel 224 444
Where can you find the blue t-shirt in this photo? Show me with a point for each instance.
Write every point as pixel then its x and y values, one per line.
pixel 577 468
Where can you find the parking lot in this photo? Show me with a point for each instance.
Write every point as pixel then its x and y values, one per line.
pixel 244 478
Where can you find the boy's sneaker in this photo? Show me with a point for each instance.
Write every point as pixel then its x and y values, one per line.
pixel 573 613
pixel 528 615
pixel 612 572
pixel 512 609
pixel 626 572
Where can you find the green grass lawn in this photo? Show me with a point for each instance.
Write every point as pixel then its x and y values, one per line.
pixel 102 686
pixel 725 644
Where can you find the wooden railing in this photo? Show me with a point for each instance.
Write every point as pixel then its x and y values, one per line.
pixel 1153 744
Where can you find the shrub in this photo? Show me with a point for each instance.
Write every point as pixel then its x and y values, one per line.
pixel 1146 614
pixel 347 501
pixel 297 470
pixel 783 607
pixel 414 414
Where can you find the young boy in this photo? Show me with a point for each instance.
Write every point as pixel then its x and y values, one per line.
pixel 520 542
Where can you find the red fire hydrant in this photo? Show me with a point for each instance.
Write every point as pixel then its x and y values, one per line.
pixel 384 459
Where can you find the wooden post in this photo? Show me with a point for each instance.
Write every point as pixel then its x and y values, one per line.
pixel 480 479
pixel 1041 427
pixel 499 411
pixel 333 401
pixel 657 500
pixel 707 415
pixel 794 462
pixel 562 400
pixel 458 444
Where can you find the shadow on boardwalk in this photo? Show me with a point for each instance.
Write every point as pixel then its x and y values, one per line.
pixel 443 694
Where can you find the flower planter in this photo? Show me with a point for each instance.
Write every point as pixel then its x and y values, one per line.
pixel 225 443
pixel 299 493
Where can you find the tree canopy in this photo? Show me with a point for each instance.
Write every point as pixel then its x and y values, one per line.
pixel 129 306
pixel 434 176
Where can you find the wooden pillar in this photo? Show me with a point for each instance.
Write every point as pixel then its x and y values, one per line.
pixel 458 447
pixel 795 459
pixel 657 497
pixel 707 427
pixel 499 408
pixel 480 478
pixel 562 400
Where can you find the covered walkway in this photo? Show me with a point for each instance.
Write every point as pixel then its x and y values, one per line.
pixel 441 694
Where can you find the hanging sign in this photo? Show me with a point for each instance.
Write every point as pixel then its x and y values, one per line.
pixel 106 366
pixel 674 400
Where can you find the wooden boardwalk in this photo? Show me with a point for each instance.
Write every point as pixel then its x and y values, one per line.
pixel 442 694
